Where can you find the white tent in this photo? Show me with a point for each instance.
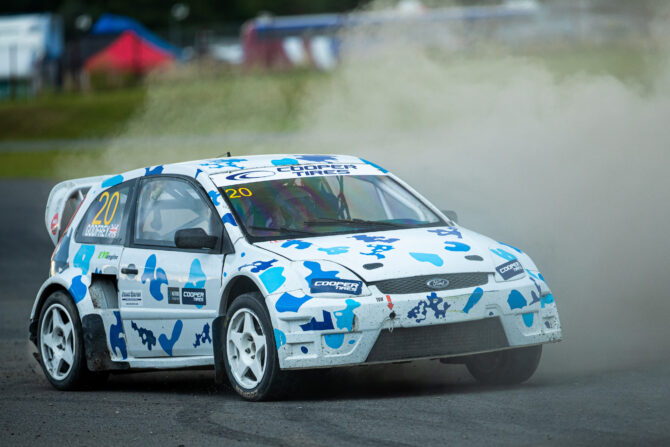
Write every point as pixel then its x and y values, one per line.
pixel 26 42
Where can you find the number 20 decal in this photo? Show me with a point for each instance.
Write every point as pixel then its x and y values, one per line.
pixel 239 192
pixel 106 207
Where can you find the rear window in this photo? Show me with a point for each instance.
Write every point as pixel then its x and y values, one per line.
pixel 104 222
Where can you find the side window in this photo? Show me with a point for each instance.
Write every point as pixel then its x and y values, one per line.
pixel 165 205
pixel 104 222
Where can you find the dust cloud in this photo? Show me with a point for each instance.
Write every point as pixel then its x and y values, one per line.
pixel 572 169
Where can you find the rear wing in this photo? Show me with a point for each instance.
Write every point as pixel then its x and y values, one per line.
pixel 63 201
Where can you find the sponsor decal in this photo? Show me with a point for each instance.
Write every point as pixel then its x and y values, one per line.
pixel 317 169
pixel 174 296
pixel 54 224
pixel 107 255
pixel 329 285
pixel 102 231
pixel 437 283
pixel 510 269
pixel 131 298
pixel 193 296
pixel 297 170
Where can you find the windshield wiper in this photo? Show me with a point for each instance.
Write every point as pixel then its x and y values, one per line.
pixel 358 222
pixel 282 230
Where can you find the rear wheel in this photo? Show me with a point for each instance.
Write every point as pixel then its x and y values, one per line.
pixel 507 367
pixel 61 345
pixel 250 355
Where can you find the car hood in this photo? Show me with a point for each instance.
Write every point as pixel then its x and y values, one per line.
pixel 399 253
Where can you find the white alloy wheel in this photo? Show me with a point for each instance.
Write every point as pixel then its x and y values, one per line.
pixel 58 341
pixel 246 348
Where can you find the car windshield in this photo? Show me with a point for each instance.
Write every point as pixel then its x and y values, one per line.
pixel 321 205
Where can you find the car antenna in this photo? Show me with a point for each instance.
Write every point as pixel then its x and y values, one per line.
pixel 227 154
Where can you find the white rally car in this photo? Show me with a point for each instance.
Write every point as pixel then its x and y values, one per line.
pixel 261 265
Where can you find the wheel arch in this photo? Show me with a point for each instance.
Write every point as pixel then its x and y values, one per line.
pixel 48 288
pixel 236 286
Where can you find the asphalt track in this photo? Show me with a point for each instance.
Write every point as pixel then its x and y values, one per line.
pixel 412 404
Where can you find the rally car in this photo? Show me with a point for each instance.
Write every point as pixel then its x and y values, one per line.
pixel 260 265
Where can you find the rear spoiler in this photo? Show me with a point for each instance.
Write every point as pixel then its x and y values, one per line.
pixel 63 201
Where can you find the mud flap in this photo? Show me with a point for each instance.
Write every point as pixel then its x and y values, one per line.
pixel 218 336
pixel 95 345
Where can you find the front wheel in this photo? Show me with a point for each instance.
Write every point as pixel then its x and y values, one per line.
pixel 507 367
pixel 249 351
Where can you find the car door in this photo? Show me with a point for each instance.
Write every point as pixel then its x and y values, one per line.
pixel 168 296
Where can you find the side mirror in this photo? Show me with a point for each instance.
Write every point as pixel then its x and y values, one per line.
pixel 451 214
pixel 195 238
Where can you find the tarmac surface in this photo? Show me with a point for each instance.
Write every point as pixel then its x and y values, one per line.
pixel 423 403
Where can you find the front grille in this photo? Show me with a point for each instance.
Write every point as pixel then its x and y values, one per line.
pixel 441 340
pixel 418 284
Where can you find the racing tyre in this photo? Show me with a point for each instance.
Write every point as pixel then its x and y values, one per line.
pixel 61 346
pixel 508 367
pixel 249 351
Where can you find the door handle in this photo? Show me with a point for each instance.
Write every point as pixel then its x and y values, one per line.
pixel 130 270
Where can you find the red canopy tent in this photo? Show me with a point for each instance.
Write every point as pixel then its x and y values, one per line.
pixel 129 53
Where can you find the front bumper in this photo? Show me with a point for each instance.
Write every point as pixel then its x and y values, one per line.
pixel 327 332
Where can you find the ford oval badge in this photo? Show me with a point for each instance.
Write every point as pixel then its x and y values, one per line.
pixel 437 283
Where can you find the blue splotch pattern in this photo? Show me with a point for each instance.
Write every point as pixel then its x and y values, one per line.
pixel 147 336
pixel 196 277
pixel 153 171
pixel 428 257
pixel 528 318
pixel 82 258
pixel 473 299
pixel 449 231
pixel 366 238
pixel 315 325
pixel 456 246
pixel 503 254
pixel 214 197
pixel 377 250
pixel 374 165
pixel 116 339
pixel 345 317
pixel 224 163
pixel 258 266
pixel 516 300
pixel 290 303
pixel 168 343
pixel 299 245
pixel 318 273
pixel 273 278
pixel 510 246
pixel 535 294
pixel 280 338
pixel 229 219
pixel 77 289
pixel 202 337
pixel 285 161
pixel 546 300
pixel 317 158
pixel 432 302
pixel 335 250
pixel 156 277
pixel 111 181
pixel 62 253
pixel 334 341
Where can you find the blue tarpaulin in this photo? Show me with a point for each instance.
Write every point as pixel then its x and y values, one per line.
pixel 115 24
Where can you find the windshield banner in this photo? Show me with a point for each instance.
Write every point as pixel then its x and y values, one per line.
pixel 293 171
